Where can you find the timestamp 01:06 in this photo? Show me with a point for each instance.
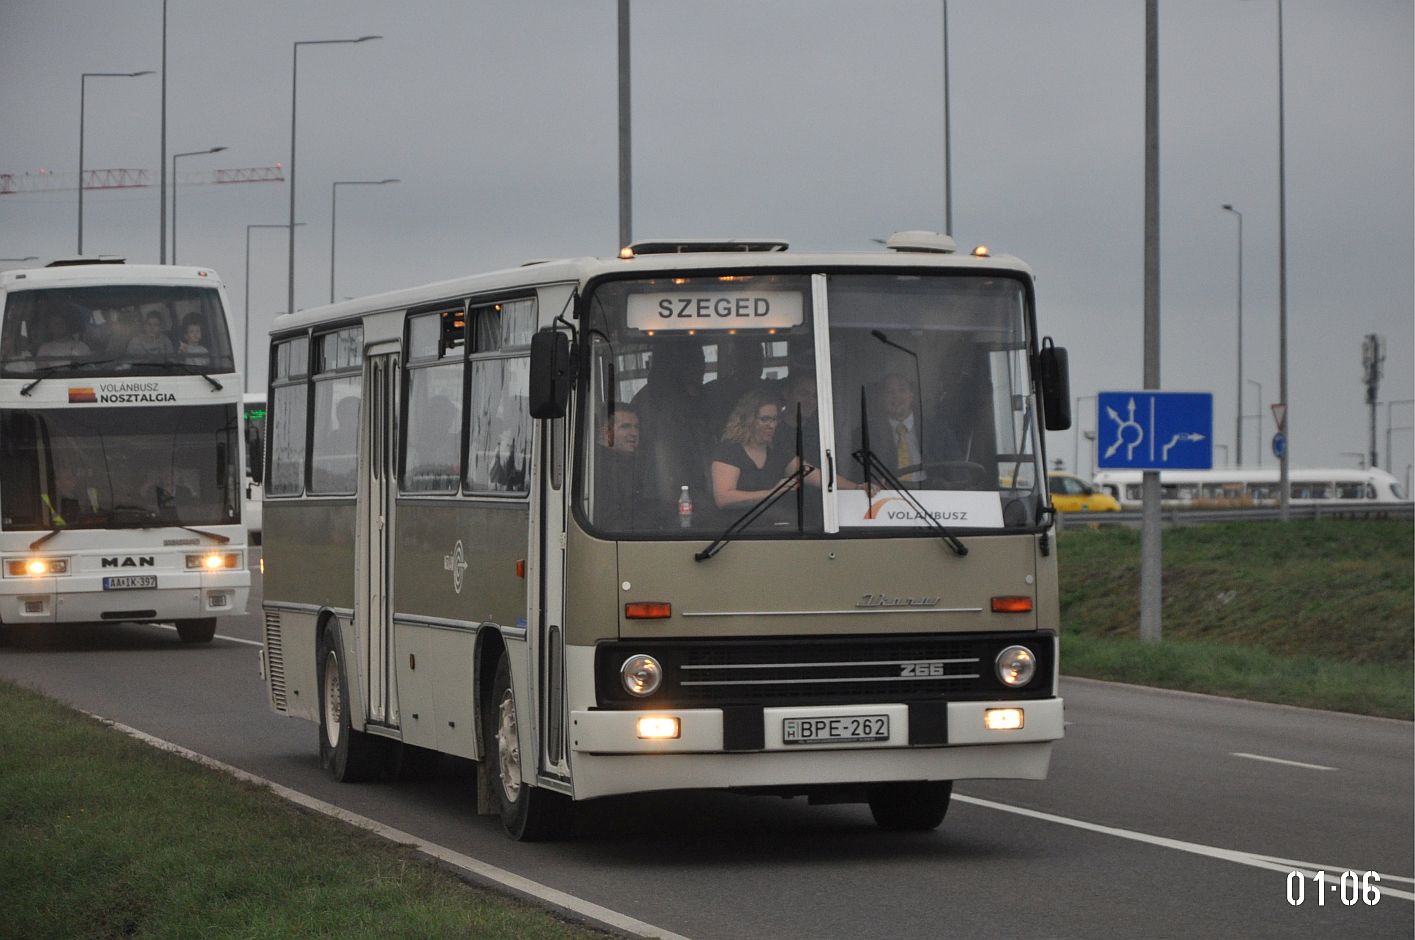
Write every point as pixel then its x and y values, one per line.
pixel 1352 887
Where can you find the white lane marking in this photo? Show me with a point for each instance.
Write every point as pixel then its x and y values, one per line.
pixel 1195 848
pixel 1279 760
pixel 219 636
pixel 485 871
pixel 1313 866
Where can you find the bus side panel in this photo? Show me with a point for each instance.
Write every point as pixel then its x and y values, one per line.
pixel 592 588
pixel 310 557
pixel 310 565
pixel 477 585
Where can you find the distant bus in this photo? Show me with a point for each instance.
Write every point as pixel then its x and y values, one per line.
pixel 1238 488
pixel 120 448
pixel 499 524
pixel 253 428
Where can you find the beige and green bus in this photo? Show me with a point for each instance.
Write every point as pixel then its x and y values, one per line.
pixel 702 515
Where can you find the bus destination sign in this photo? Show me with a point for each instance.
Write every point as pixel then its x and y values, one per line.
pixel 715 310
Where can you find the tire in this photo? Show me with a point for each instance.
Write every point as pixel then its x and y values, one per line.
pixel 196 631
pixel 528 813
pixel 910 807
pixel 350 756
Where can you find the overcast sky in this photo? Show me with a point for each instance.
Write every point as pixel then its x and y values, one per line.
pixel 816 121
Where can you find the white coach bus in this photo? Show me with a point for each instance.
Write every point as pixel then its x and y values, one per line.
pixel 120 449
pixel 703 515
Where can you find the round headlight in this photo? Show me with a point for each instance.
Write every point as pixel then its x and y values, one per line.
pixel 641 674
pixel 1016 666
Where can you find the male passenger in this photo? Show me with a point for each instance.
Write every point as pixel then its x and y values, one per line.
pixel 617 443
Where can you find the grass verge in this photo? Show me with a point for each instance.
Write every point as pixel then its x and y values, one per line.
pixel 106 837
pixel 1319 613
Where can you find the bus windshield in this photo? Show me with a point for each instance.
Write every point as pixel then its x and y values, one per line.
pixel 147 329
pixel 704 393
pixel 119 468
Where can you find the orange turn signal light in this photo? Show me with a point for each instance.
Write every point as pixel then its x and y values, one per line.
pixel 648 610
pixel 1011 605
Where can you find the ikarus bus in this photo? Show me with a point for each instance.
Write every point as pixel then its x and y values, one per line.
pixel 703 515
pixel 120 449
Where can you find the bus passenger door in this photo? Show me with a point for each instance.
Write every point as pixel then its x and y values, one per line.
pixel 547 600
pixel 376 531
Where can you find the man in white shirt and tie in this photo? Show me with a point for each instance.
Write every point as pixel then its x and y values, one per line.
pixel 904 448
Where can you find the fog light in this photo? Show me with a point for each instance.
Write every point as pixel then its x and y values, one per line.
pixel 658 728
pixel 1002 719
pixel 641 675
pixel 1015 666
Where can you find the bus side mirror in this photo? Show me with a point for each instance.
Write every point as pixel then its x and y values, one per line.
pixel 552 371
pixel 255 455
pixel 1055 377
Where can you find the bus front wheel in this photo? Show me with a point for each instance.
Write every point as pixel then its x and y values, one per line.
pixel 528 813
pixel 196 631
pixel 350 756
pixel 910 807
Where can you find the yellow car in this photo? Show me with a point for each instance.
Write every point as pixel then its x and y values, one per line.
pixel 1072 494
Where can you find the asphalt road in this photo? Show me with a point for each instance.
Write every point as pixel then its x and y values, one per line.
pixel 1082 854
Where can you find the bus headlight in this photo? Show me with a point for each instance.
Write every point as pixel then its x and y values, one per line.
pixel 1016 666
pixel 36 567
pixel 213 561
pixel 641 674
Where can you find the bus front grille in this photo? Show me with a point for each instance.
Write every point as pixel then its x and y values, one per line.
pixel 822 670
pixel 275 661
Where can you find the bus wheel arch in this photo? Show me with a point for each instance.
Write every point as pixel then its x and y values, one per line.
pixel 350 756
pixel 528 813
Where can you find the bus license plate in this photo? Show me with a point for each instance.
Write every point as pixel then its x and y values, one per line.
pixel 130 582
pixel 841 729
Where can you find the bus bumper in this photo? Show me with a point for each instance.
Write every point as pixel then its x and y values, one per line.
pixel 610 758
pixel 81 599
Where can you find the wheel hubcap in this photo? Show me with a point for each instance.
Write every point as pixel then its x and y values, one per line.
pixel 333 700
pixel 508 748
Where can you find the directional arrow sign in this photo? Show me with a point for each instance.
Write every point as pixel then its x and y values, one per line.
pixel 1154 430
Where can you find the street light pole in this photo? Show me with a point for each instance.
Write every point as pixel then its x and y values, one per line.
pixel 947 137
pixel 1238 422
pixel 1284 474
pixel 83 91
pixel 189 153
pixel 1076 422
pixel 294 99
pixel 1259 415
pixel 246 343
pixel 1390 456
pixel 334 214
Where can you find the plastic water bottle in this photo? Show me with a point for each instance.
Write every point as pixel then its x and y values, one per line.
pixel 685 507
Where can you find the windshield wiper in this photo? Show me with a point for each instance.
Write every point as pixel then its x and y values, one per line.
pixel 147 519
pixel 47 371
pixel 44 538
pixel 755 511
pixel 870 462
pixel 185 366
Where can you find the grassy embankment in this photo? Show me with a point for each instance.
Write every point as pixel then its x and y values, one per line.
pixel 1314 613
pixel 101 836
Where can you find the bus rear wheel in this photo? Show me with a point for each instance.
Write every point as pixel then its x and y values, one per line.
pixel 196 631
pixel 910 807
pixel 528 813
pixel 350 756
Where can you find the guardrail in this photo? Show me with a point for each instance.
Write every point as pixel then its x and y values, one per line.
pixel 1175 517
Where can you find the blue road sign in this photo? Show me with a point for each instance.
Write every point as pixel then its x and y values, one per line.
pixel 1279 444
pixel 1154 430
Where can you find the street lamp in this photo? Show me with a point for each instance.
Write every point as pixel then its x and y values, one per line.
pixel 83 91
pixel 36 258
pixel 333 214
pixel 246 343
pixel 1284 496
pixel 947 136
pixel 189 153
pixel 1238 435
pixel 294 99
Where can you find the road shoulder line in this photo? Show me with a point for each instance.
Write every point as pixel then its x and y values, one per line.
pixel 474 869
